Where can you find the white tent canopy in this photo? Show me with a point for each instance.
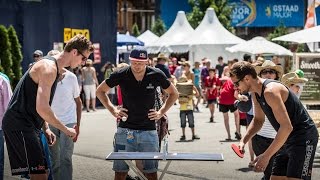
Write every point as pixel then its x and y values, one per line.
pixel 259 45
pixel 179 31
pixel 209 40
pixel 148 37
pixel 303 36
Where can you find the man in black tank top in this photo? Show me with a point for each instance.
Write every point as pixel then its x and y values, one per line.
pixel 29 109
pixel 297 136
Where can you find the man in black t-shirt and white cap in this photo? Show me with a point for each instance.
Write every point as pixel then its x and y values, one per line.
pixel 137 130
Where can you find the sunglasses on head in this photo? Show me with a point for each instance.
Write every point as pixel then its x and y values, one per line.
pixel 270 71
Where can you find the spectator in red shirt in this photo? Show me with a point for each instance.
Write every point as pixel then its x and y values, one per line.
pixel 226 103
pixel 173 66
pixel 212 84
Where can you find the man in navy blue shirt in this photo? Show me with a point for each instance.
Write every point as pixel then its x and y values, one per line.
pixel 137 130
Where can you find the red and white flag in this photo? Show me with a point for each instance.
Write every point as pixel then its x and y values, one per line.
pixel 311 21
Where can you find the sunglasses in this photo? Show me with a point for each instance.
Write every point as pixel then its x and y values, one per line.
pixel 236 84
pixel 84 58
pixel 36 56
pixel 270 71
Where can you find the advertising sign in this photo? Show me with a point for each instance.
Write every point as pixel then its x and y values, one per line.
pixel 309 63
pixel 96 53
pixel 68 33
pixel 262 13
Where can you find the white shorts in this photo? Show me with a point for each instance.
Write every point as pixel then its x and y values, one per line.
pixel 89 91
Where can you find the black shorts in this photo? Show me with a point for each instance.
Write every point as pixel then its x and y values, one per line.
pixel 295 160
pixel 243 122
pixel 25 152
pixel 225 108
pixel 212 101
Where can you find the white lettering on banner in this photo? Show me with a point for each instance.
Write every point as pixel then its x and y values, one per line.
pixel 239 13
pixel 280 8
pixel 305 65
pixel 284 11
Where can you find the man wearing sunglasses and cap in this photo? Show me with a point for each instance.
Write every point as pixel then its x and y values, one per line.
pixel 137 129
pixel 297 136
pixel 29 109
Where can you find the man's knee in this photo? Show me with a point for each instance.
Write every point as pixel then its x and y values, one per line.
pixel 39 176
pixel 120 175
pixel 151 176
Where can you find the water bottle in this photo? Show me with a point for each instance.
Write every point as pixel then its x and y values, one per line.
pixel 165 148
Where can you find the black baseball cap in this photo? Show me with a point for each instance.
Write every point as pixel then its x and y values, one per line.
pixel 139 54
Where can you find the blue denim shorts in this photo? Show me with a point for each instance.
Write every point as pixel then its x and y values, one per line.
pixel 144 141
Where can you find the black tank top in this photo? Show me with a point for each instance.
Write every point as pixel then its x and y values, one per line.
pixel 21 113
pixel 303 126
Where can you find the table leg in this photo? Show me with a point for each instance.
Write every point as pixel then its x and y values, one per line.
pixel 165 170
pixel 135 169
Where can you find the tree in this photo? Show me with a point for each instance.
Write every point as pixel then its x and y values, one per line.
pixel 5 55
pixel 221 8
pixel 16 56
pixel 135 30
pixel 280 31
pixel 158 27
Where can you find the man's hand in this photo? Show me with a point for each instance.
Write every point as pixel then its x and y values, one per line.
pixel 119 112
pixel 241 146
pixel 261 163
pixel 77 128
pixel 51 137
pixel 154 115
pixel 243 98
pixel 70 132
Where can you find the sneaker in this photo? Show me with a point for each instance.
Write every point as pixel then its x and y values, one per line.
pixel 238 136
pixel 195 137
pixel 197 108
pixel 182 138
pixel 211 120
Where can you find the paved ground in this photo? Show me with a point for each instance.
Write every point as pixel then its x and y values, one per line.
pixel 95 142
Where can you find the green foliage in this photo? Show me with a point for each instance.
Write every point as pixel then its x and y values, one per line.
pixel 16 56
pixel 280 31
pixel 221 8
pixel 158 27
pixel 135 30
pixel 5 55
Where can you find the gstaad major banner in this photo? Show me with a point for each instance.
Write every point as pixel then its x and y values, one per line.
pixel 267 13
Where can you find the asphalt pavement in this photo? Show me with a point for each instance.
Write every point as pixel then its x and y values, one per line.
pixel 96 142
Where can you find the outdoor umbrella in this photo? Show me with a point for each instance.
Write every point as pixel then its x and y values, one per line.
pixel 259 45
pixel 303 36
pixel 125 40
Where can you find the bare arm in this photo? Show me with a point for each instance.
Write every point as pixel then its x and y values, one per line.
pixel 79 113
pixel 192 77
pixel 101 92
pixel 172 97
pixel 256 123
pixel 45 74
pixel 79 109
pixel 95 76
pixel 276 102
